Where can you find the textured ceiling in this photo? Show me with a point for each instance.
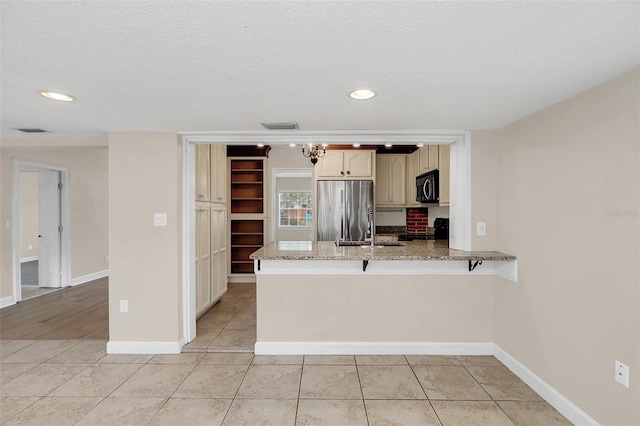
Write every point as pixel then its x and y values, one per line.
pixel 211 66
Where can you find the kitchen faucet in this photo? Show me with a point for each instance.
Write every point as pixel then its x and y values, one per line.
pixel 370 224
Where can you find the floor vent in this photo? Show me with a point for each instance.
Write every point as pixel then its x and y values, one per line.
pixel 280 126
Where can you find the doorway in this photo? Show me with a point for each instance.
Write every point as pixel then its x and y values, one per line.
pixel 41 229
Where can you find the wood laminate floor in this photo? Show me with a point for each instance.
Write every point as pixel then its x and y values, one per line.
pixel 80 312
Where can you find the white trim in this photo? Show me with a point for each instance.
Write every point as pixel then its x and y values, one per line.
pixel 7 301
pixel 284 137
pixel 188 241
pixel 89 277
pixel 19 164
pixel 145 347
pixel 546 391
pixel 373 348
pixel 28 259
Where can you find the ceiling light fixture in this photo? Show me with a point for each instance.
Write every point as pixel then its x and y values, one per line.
pixel 419 145
pixel 260 145
pixel 356 145
pixel 292 144
pixel 361 94
pixel 388 145
pixel 57 96
pixel 313 152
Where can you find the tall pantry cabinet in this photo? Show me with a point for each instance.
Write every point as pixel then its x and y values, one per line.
pixel 211 225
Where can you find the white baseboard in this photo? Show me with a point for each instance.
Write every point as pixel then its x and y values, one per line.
pixel 372 348
pixel 28 259
pixel 546 391
pixel 7 301
pixel 89 277
pixel 145 347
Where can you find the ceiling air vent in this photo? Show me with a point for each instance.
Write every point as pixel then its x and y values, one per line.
pixel 280 126
pixel 31 130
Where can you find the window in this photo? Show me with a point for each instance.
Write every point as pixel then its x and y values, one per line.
pixel 295 209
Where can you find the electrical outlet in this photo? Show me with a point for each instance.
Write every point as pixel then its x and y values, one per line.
pixel 124 306
pixel 379 219
pixel 30 247
pixel 481 228
pixel 159 219
pixel 622 374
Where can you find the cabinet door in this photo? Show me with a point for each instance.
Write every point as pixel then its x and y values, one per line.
pixel 423 154
pixel 383 180
pixel 398 179
pixel 218 181
pixel 444 162
pixel 222 253
pixel 203 259
pixel 359 164
pixel 203 173
pixel 413 170
pixel 331 165
pixel 433 157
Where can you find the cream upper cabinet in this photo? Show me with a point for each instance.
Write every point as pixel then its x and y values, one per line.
pixel 423 164
pixel 444 174
pixel 218 173
pixel 350 164
pixel 413 170
pixel 359 163
pixel 433 157
pixel 391 180
pixel 203 176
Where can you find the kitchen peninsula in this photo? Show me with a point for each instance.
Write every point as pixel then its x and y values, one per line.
pixel 420 297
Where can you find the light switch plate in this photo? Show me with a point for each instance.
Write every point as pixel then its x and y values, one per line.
pixel 481 228
pixel 160 219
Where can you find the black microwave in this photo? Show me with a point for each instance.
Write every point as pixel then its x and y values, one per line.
pixel 427 187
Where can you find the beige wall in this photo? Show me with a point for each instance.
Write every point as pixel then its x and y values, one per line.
pixel 144 178
pixel 89 203
pixel 361 308
pixel 575 309
pixel 484 181
pixel 29 214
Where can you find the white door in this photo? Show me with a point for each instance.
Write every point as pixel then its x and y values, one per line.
pixel 49 267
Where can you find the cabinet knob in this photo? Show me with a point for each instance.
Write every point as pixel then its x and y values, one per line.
pixel 348 172
pixel 342 173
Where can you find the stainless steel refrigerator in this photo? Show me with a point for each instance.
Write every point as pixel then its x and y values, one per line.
pixel 345 210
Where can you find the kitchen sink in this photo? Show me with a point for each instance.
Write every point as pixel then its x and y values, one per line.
pixel 365 244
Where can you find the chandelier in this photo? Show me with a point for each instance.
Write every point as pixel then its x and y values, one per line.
pixel 314 152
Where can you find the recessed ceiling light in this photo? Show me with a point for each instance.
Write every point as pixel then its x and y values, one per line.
pixel 324 145
pixel 356 145
pixel 57 96
pixel 292 144
pixel 361 94
pixel 260 145
pixel 388 145
pixel 419 145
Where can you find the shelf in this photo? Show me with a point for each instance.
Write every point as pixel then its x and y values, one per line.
pixel 247 183
pixel 247 245
pixel 246 170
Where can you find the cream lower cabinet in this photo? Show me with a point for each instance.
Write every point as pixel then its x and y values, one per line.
pixel 211 256
pixel 391 180
pixel 218 252
pixel 203 260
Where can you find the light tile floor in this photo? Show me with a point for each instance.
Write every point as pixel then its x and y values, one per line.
pixel 67 382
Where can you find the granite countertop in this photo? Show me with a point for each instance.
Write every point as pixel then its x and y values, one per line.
pixel 410 250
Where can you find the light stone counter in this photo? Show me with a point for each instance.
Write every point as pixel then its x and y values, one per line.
pixel 410 250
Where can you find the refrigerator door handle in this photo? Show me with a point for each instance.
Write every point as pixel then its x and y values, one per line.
pixel 342 216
